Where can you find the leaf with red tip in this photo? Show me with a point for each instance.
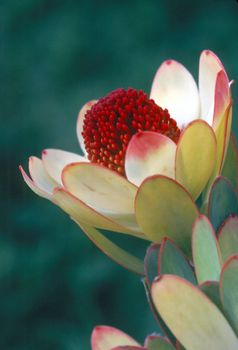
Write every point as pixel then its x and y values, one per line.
pixel 196 322
pixel 206 253
pixel 195 156
pixel 229 290
pixel 164 208
pixel 107 338
pixel 228 237
pixel 230 168
pixel 172 261
pixel 222 202
pixel 149 153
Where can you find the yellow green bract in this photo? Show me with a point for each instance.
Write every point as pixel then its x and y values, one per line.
pixel 195 157
pixel 164 208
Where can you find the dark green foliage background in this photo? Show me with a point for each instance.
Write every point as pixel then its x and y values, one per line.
pixel 55 286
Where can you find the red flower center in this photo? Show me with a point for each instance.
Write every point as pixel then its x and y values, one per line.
pixel 114 119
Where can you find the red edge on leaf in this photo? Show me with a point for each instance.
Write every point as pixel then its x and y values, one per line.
pixel 169 179
pixel 186 282
pixel 208 283
pixel 99 332
pixel 196 121
pixel 232 216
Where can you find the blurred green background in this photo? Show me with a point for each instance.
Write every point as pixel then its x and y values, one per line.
pixel 55 286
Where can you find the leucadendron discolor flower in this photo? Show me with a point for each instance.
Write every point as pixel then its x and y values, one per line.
pixel 146 159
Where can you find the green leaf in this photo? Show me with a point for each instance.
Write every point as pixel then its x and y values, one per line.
pixel 154 342
pixel 229 290
pixel 206 254
pixel 173 262
pixel 114 252
pixel 164 208
pixel 222 202
pixel 151 263
pixel 196 322
pixel 230 168
pixel 228 237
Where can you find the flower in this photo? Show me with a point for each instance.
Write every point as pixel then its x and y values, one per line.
pixel 143 157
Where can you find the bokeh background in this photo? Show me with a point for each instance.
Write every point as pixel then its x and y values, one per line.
pixel 55 286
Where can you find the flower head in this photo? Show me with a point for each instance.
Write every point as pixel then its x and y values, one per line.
pixel 112 121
